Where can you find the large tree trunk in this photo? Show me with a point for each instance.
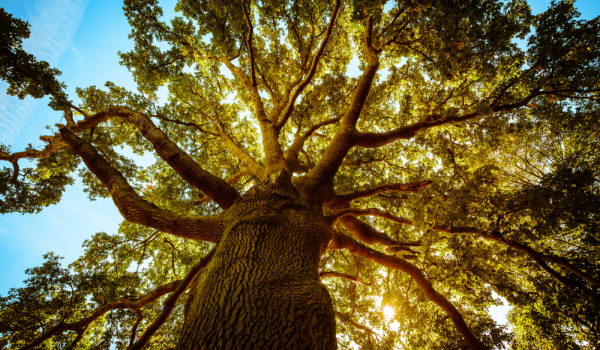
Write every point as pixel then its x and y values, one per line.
pixel 262 289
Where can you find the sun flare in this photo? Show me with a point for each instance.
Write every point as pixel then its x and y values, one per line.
pixel 388 312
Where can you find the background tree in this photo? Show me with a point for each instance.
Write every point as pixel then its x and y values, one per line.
pixel 292 206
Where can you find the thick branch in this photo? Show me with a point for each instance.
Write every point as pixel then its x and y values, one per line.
pixel 293 151
pixel 274 160
pixel 564 280
pixel 171 301
pixel 133 207
pixel 367 212
pixel 181 162
pixel 313 69
pixel 369 235
pixel 259 107
pixel 231 180
pixel 139 319
pixel 77 339
pixel 324 171
pixel 373 140
pixel 341 241
pixel 15 175
pixel 253 166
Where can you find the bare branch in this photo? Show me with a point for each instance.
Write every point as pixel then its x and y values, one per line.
pixel 171 301
pixel 15 175
pixel 291 154
pixel 349 321
pixel 77 339
pixel 366 212
pixel 397 187
pixel 69 117
pixel 274 160
pixel 120 303
pixel 326 274
pixel 139 319
pixel 184 123
pixel 253 166
pixel 341 241
pixel 525 249
pixel 133 207
pixel 181 162
pixel 300 139
pixel 259 107
pixel 313 69
pixel 564 280
pixel 367 234
pixel 175 287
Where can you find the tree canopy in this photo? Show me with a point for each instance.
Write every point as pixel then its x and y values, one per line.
pixel 459 169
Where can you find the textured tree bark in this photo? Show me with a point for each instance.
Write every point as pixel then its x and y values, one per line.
pixel 262 289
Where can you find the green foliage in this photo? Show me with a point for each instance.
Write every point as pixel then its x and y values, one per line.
pixel 37 187
pixel 25 75
pixel 529 174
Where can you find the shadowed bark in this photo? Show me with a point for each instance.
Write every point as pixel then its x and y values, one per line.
pixel 262 290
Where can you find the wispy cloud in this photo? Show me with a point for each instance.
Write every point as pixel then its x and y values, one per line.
pixel 53 26
pixel 79 55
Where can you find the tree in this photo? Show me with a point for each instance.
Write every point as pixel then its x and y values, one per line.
pixel 290 205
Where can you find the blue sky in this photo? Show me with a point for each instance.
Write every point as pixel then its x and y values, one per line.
pixel 81 38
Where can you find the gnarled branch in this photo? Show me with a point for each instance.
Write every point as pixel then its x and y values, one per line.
pixel 253 166
pixel 211 185
pixel 293 151
pixel 133 207
pixel 341 241
pixel 231 180
pixel 369 235
pixel 367 212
